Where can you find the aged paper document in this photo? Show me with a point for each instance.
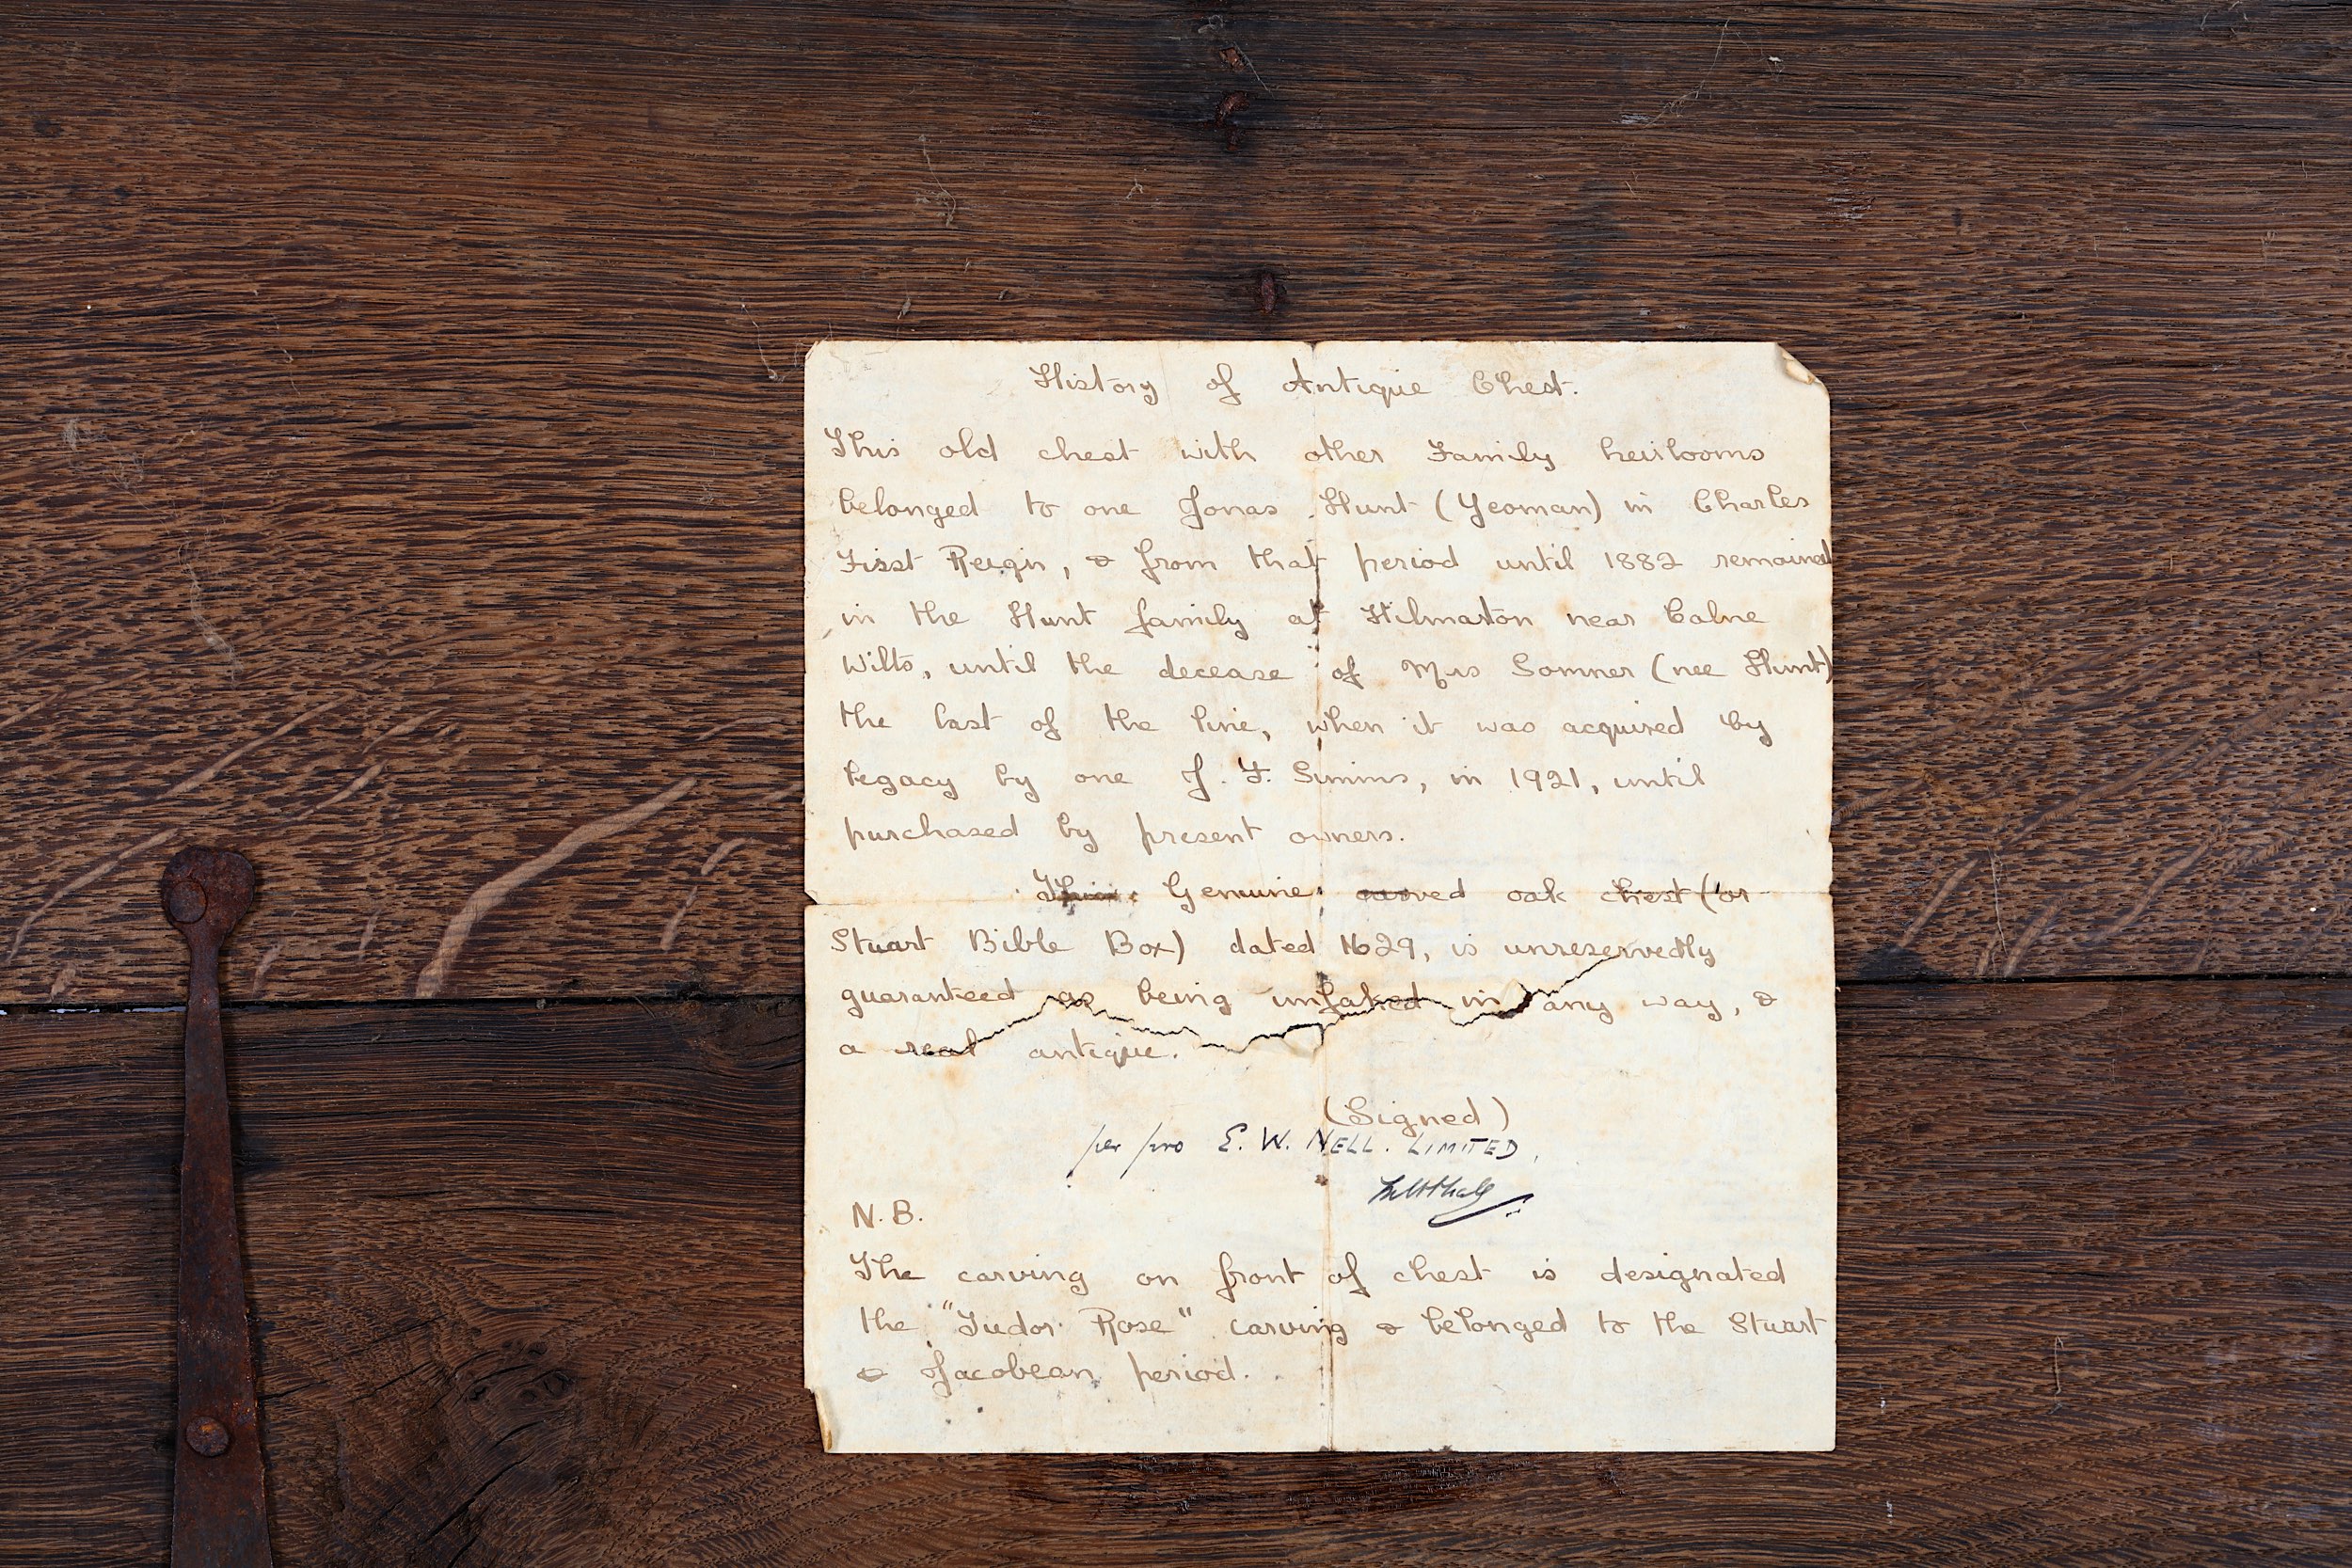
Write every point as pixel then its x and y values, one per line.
pixel 1320 929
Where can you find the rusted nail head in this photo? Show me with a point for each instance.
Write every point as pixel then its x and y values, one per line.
pixel 207 1436
pixel 214 886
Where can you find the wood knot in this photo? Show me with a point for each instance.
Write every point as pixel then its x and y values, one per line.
pixel 1227 118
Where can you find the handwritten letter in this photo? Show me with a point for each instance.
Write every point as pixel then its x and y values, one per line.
pixel 1319 860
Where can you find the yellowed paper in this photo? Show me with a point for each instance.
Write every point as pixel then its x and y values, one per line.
pixel 1320 861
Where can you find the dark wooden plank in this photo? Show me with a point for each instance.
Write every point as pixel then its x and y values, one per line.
pixel 529 1285
pixel 400 459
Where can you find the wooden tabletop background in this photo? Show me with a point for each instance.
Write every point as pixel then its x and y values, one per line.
pixel 401 438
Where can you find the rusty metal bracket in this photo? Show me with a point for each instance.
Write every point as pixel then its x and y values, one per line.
pixel 219 1510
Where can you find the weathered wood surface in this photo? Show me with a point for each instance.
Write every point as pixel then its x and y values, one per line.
pixel 401 445
pixel 529 1288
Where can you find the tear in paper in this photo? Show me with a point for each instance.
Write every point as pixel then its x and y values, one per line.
pixel 1321 933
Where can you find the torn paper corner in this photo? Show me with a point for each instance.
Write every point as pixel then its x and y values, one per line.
pixel 825 1429
pixel 1794 369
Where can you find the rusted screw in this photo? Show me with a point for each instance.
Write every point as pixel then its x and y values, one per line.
pixel 207 1436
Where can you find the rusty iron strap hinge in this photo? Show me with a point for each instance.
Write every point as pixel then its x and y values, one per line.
pixel 219 1515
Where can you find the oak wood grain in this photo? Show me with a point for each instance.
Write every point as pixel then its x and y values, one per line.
pixel 529 1293
pixel 399 470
